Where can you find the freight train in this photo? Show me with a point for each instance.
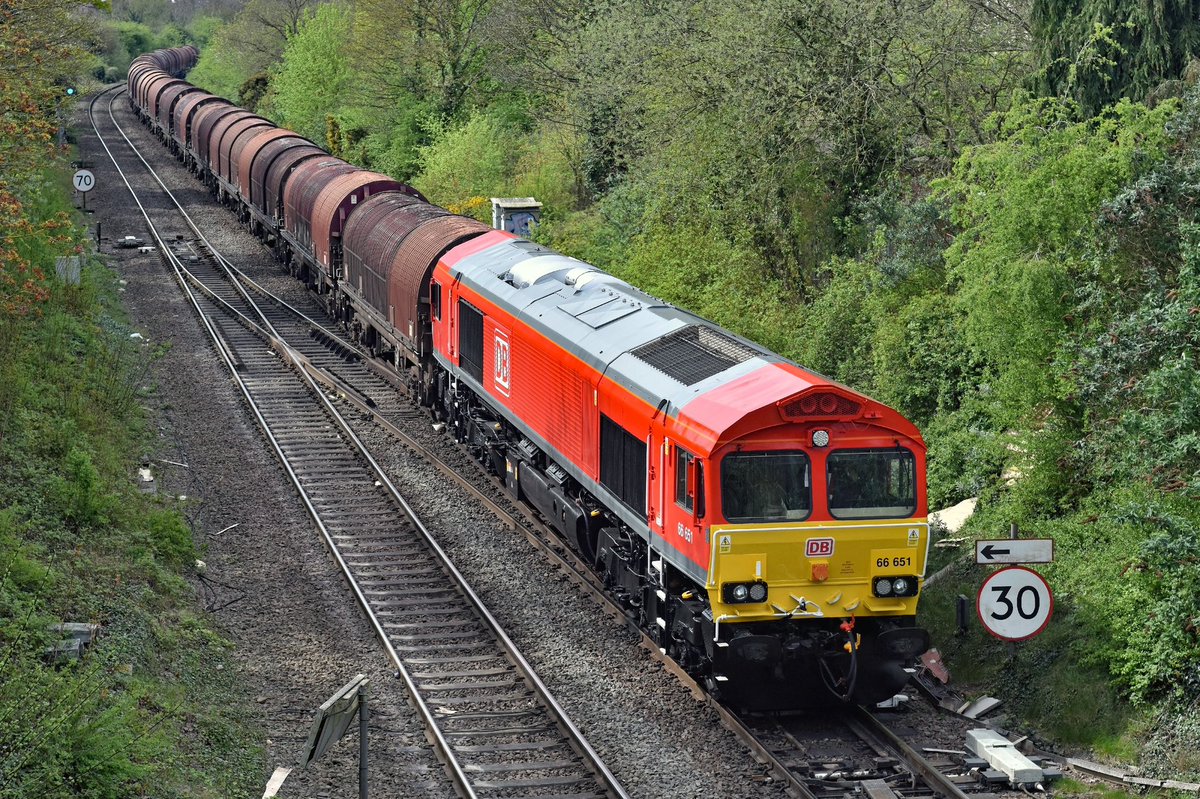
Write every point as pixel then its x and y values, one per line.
pixel 764 524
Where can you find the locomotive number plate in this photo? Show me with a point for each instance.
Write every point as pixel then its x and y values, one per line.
pixel 892 561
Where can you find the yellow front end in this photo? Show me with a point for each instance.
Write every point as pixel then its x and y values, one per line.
pixel 816 569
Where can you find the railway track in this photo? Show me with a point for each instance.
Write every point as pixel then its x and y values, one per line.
pixel 868 759
pixel 492 722
pixel 854 753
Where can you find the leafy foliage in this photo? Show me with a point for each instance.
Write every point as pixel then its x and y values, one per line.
pixel 1100 51
pixel 1026 209
pixel 251 43
pixel 313 74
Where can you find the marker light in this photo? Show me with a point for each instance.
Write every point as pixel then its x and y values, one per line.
pixel 758 592
pixel 883 587
pixel 820 438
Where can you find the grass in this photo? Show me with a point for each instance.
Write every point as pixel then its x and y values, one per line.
pixel 154 708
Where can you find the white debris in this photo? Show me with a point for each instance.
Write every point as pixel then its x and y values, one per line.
pixel 954 517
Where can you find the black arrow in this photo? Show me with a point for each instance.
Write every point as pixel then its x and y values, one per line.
pixel 988 551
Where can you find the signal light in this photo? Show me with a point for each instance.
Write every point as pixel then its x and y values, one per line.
pixel 70 91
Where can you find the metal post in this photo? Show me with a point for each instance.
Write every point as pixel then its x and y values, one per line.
pixel 362 741
pixel 1012 645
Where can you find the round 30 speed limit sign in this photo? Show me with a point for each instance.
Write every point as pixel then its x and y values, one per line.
pixel 1015 603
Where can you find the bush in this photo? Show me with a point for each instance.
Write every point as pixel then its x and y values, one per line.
pixel 476 159
pixel 308 85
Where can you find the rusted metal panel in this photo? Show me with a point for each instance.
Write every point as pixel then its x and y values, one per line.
pixel 300 194
pixel 243 129
pixel 137 73
pixel 167 100
pixel 173 60
pixel 408 282
pixel 151 85
pixel 372 236
pixel 202 125
pixel 216 137
pixel 333 205
pixel 156 92
pixel 279 170
pixel 144 80
pixel 184 115
pixel 245 150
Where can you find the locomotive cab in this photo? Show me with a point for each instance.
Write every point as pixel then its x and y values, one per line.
pixel 816 542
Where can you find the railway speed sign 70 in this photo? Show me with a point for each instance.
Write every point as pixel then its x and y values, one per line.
pixel 1015 603
pixel 84 180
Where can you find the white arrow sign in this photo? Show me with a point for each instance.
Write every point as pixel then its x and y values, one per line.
pixel 1015 603
pixel 1015 550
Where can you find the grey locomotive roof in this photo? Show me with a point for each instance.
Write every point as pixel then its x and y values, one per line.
pixel 657 350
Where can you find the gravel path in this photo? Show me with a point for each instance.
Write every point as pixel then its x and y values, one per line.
pixel 297 632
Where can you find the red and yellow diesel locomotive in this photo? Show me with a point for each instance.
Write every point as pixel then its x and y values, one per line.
pixel 765 525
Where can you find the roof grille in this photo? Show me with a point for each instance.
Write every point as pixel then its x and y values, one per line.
pixel 694 353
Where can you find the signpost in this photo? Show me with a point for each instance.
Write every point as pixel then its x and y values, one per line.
pixel 84 180
pixel 333 721
pixel 1015 550
pixel 1015 603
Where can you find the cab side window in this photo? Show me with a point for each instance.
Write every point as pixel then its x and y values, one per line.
pixel 689 482
pixel 435 299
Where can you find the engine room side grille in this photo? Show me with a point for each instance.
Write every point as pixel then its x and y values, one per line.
pixel 694 353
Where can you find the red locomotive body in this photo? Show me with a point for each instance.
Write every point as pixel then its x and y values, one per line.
pixel 765 525
pixel 740 505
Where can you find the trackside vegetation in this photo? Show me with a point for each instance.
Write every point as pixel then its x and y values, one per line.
pixel 983 214
pixel 143 712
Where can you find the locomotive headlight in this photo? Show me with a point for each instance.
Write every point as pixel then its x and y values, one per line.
pixel 883 587
pixel 741 593
pixel 820 438
pixel 900 586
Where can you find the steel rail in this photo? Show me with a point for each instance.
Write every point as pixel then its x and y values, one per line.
pixel 308 372
pixel 936 780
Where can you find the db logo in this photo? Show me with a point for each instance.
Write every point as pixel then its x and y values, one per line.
pixel 818 547
pixel 501 371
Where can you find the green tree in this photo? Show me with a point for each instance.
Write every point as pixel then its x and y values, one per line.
pixel 1026 210
pixel 1099 51
pixel 44 43
pixel 311 79
pixel 249 45
pixel 776 117
pixel 431 48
